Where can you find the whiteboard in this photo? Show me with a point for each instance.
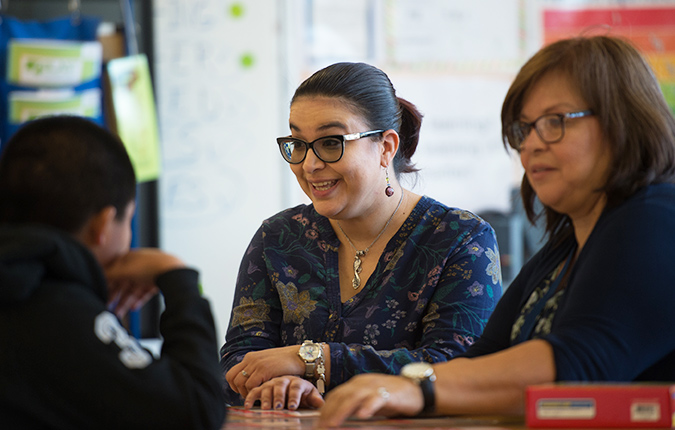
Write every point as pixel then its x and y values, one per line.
pixel 217 85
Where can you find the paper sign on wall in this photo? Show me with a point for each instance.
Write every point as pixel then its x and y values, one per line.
pixel 134 107
pixel 52 63
pixel 28 105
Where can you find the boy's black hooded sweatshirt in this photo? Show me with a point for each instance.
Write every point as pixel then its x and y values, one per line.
pixel 67 363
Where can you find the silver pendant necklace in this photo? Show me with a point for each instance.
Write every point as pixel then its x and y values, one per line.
pixel 356 282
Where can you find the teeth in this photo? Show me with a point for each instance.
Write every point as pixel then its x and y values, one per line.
pixel 323 186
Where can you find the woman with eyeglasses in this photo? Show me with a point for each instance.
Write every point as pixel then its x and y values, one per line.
pixel 596 139
pixel 368 277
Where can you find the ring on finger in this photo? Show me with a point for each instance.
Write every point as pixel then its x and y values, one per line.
pixel 245 374
pixel 382 392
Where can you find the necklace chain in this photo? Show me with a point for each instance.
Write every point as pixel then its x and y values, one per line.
pixel 356 282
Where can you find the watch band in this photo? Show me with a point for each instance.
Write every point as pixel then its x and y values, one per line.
pixel 427 386
pixel 309 370
pixel 423 375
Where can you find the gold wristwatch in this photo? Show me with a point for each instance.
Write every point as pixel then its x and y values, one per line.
pixel 309 352
pixel 312 354
pixel 423 374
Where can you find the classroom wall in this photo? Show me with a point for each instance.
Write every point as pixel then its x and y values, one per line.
pixel 226 69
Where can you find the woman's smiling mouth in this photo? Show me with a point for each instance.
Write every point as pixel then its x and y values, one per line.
pixel 323 186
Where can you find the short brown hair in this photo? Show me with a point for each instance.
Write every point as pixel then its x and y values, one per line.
pixel 61 170
pixel 620 88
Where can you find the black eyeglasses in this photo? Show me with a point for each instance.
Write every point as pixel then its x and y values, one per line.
pixel 328 149
pixel 550 128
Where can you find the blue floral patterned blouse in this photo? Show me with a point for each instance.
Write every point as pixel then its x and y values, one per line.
pixel 434 287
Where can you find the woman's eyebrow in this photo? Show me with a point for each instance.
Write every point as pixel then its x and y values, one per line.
pixel 327 126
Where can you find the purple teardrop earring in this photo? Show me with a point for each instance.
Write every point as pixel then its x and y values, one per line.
pixel 389 191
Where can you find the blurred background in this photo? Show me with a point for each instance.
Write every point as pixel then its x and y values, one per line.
pixel 223 73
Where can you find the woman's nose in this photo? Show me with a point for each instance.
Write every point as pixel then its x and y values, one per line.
pixel 312 162
pixel 532 142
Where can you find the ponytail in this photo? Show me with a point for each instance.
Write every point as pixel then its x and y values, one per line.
pixel 409 134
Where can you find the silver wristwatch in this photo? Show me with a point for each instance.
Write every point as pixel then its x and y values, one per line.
pixel 423 374
pixel 310 352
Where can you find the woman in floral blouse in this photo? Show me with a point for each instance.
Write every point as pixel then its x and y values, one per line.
pixel 374 275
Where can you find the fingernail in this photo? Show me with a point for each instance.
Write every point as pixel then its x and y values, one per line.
pixel 279 405
pixel 292 406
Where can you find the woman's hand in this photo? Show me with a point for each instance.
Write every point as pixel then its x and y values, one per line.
pixel 367 395
pixel 258 367
pixel 290 392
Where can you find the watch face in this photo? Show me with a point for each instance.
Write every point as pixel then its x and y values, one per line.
pixel 417 371
pixel 309 352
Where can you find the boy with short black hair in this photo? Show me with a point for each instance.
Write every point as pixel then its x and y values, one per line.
pixel 67 190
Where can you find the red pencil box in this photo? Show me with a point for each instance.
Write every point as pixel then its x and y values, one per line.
pixel 600 405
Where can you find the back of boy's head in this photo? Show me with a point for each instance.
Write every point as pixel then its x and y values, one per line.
pixel 60 171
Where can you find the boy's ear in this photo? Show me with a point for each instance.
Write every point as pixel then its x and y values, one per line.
pixel 97 230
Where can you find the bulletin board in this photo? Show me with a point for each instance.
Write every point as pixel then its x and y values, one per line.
pixel 650 25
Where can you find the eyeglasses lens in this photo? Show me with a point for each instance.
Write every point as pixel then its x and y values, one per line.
pixel 293 150
pixel 328 149
pixel 550 128
pixel 518 132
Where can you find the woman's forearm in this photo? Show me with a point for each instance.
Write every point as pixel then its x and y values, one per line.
pixel 493 384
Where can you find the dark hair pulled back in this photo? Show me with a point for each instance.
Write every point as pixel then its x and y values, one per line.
pixel 370 92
